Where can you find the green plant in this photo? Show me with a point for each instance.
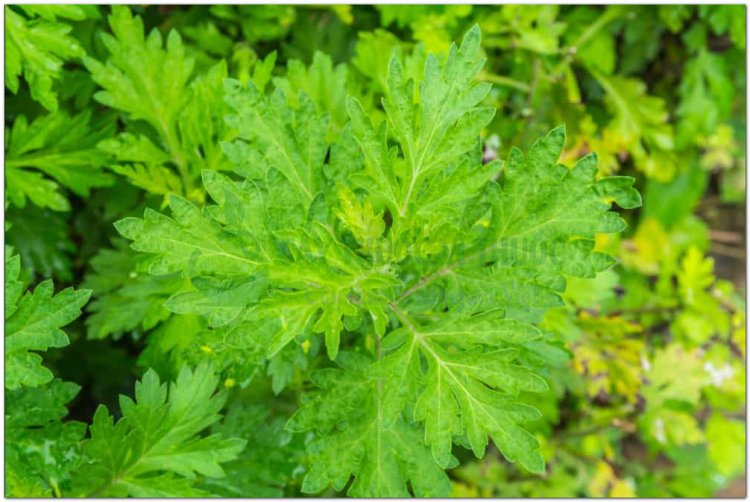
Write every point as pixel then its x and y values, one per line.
pixel 152 451
pixel 325 269
pixel 292 249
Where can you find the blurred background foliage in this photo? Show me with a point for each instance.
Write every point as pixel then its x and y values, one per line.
pixel 651 402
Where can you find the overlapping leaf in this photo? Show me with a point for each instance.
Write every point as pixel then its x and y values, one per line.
pixel 155 449
pixel 185 113
pixel 61 147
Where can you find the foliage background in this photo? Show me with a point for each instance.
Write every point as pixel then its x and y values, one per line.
pixel 652 401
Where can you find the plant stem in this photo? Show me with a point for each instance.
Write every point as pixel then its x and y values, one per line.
pixel 570 51
pixel 504 81
pixel 172 143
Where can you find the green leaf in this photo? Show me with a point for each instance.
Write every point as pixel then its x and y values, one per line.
pixel 672 202
pixel 323 83
pixel 640 126
pixel 155 448
pixel 52 12
pixel 266 466
pixel 469 385
pixel 61 147
pixel 136 305
pixel 707 94
pixel 356 441
pixel 37 48
pixel 133 68
pixel 726 18
pixel 32 323
pixel 448 102
pixel 34 186
pixel 373 51
pixel 696 274
pixel 125 298
pixel 190 240
pixel 664 383
pixel 13 286
pixel 641 40
pixel 201 122
pixel 291 142
pixel 37 406
pixel 360 219
pixel 41 451
pixel 726 439
pixel 186 113
pixel 534 28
